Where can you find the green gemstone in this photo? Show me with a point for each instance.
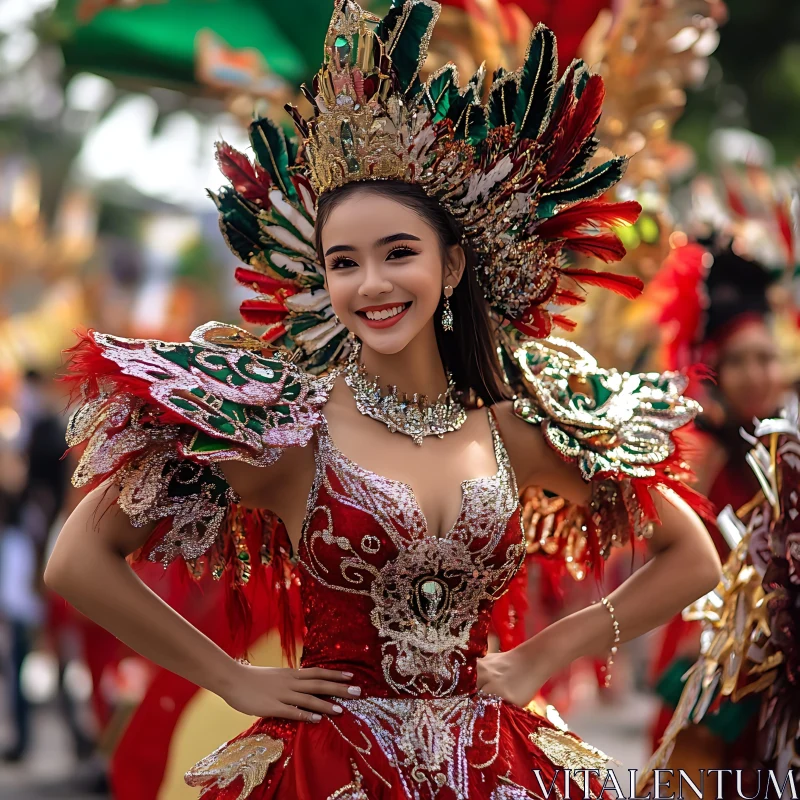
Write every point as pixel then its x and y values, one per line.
pixel 342 47
pixel 244 556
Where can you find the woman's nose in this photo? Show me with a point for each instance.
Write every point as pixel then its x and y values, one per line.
pixel 374 282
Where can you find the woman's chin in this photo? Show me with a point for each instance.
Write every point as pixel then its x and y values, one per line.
pixel 386 341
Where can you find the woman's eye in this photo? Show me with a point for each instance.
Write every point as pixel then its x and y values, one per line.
pixel 344 261
pixel 401 252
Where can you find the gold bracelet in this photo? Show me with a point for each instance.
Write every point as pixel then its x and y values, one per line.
pixel 610 662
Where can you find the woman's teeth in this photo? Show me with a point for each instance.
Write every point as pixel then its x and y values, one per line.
pixel 386 313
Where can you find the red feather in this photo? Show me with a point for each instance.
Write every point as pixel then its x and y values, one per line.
pixel 264 283
pixel 578 126
pixel 627 285
pixel 260 312
pixel 595 213
pixel 605 246
pixel 564 322
pixel 566 297
pixel 236 167
pixel 535 322
pixel 273 332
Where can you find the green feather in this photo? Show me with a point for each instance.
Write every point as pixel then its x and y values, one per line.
pixel 536 81
pixel 238 221
pixel 441 92
pixel 502 98
pixel 587 186
pixel 588 149
pixel 469 118
pixel 406 31
pixel 270 146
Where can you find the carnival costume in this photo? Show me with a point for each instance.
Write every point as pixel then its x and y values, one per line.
pixel 750 645
pixel 405 611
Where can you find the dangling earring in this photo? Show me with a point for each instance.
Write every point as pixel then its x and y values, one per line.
pixel 447 312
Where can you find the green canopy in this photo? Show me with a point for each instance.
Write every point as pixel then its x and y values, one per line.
pixel 155 42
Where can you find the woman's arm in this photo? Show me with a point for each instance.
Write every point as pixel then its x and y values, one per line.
pixel 88 568
pixel 683 565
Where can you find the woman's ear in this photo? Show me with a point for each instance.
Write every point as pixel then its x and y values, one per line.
pixel 455 265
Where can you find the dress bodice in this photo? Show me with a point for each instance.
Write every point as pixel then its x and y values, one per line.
pixel 406 611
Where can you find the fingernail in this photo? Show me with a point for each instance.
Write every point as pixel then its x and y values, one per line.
pixel 337 709
pixel 347 674
pixel 354 690
pixel 316 717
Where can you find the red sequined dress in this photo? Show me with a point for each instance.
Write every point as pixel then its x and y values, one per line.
pixel 407 612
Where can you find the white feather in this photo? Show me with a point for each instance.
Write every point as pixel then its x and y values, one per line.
pixel 309 301
pixel 283 261
pixel 319 335
pixel 308 201
pixel 480 185
pixel 305 228
pixel 520 204
pixel 282 236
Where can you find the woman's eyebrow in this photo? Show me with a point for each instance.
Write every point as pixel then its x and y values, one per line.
pixel 340 248
pixel 397 237
pixel 382 242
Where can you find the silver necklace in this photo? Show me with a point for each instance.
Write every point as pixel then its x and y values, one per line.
pixel 414 416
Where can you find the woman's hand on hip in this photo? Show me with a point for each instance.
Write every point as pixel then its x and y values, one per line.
pixel 294 694
pixel 512 675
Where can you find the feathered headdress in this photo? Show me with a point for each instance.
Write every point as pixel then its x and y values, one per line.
pixel 516 171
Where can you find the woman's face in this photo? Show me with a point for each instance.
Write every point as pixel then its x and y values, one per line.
pixel 749 373
pixel 384 270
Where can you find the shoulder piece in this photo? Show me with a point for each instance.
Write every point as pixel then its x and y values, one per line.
pixel 611 424
pixel 158 416
pixel 237 403
pixel 618 429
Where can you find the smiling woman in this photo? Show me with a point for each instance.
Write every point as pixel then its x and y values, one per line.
pixel 422 253
pixel 418 235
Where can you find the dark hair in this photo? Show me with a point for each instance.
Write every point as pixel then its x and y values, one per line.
pixel 468 351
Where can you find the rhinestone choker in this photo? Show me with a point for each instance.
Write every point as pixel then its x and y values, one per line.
pixel 415 416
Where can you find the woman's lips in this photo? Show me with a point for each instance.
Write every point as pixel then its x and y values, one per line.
pixel 383 323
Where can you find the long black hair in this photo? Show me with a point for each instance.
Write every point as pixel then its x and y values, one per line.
pixel 468 351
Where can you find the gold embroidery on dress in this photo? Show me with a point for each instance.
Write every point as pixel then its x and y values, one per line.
pixel 248 759
pixel 353 790
pixel 428 595
pixel 570 753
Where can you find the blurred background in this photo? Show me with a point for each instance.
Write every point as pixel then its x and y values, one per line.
pixel 109 110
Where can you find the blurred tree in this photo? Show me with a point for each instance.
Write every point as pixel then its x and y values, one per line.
pixel 754 80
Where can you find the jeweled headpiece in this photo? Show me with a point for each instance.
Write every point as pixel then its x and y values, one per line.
pixel 516 171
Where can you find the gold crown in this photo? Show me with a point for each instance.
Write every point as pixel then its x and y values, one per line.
pixel 361 128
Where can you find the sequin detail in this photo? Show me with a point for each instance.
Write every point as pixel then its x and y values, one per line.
pixel 428 591
pixel 427 740
pixel 248 759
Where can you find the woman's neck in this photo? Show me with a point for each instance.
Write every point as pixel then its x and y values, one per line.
pixel 417 368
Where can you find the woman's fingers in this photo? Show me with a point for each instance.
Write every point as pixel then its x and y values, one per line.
pixel 308 701
pixel 319 674
pixel 328 688
pixel 298 714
